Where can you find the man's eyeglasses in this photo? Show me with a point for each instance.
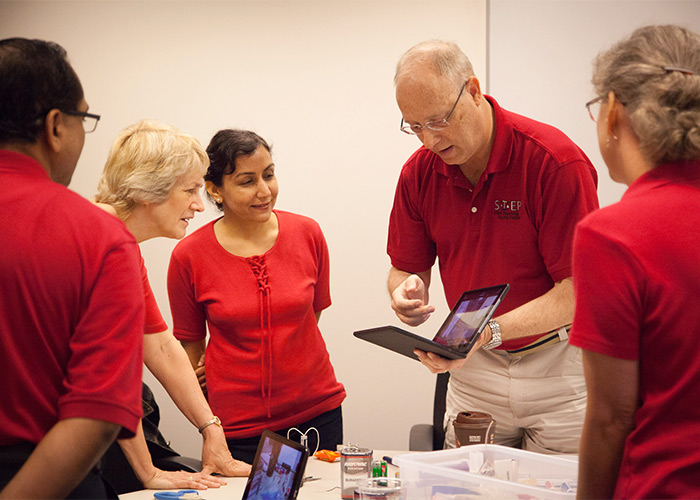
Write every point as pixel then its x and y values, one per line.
pixel 435 125
pixel 89 120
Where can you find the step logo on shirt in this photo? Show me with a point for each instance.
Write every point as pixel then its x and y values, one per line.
pixel 507 209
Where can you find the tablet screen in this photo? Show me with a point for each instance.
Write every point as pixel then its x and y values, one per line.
pixel 469 316
pixel 278 469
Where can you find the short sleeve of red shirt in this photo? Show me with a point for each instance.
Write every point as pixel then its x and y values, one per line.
pixel 103 344
pixel 189 323
pixel 322 289
pixel 154 319
pixel 607 287
pixel 410 246
pixel 568 195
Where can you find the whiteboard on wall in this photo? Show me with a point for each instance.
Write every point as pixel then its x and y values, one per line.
pixel 540 56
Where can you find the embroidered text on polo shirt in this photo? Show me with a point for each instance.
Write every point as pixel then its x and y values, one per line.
pixel 507 209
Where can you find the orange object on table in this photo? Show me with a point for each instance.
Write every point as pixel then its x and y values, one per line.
pixel 326 455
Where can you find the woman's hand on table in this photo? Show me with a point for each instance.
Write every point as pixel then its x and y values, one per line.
pixel 227 466
pixel 164 480
pixel 216 456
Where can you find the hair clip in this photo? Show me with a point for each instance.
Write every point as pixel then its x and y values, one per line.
pixel 680 70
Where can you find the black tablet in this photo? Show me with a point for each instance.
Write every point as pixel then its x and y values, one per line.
pixel 458 333
pixel 278 469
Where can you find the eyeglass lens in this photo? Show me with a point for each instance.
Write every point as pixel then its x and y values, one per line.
pixel 594 110
pixel 89 124
pixel 435 125
pixel 593 107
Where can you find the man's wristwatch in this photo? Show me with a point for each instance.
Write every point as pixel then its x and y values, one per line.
pixel 495 336
pixel 213 421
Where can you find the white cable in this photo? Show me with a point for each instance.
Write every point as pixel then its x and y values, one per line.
pixel 303 437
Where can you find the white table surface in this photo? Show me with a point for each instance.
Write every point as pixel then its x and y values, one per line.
pixel 328 486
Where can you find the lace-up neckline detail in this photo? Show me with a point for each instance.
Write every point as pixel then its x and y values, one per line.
pixel 259 268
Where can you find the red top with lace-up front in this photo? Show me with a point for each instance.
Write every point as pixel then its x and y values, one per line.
pixel 267 364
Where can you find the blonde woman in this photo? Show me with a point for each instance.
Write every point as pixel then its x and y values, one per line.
pixel 152 181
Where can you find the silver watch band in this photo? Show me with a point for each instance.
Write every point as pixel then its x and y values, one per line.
pixel 495 336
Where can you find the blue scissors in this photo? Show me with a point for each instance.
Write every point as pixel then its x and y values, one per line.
pixel 176 495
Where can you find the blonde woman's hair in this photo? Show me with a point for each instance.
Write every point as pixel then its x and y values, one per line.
pixel 445 56
pixel 144 163
pixel 655 73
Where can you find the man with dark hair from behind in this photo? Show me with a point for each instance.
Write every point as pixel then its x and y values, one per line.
pixel 71 322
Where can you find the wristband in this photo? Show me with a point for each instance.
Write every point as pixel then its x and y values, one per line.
pixel 213 421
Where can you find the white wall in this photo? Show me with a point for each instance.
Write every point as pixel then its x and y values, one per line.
pixel 315 78
pixel 541 53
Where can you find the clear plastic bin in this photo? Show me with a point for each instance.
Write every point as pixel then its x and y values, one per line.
pixel 443 475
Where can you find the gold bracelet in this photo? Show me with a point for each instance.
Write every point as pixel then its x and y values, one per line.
pixel 213 421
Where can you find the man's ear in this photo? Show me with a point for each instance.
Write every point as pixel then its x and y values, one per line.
pixel 473 86
pixel 54 129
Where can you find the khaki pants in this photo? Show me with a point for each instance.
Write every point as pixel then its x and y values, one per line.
pixel 538 400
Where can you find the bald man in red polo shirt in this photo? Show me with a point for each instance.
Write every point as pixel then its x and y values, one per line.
pixel 495 197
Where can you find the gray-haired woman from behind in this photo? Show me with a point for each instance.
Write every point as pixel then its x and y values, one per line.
pixel 637 274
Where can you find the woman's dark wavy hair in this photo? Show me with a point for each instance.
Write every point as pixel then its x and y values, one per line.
pixel 224 148
pixel 35 77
